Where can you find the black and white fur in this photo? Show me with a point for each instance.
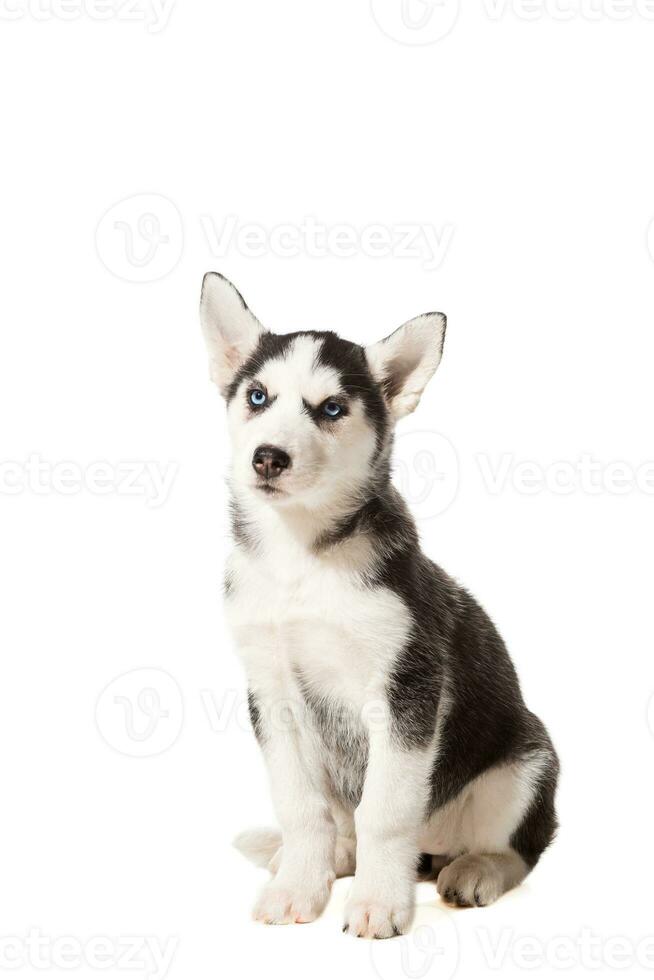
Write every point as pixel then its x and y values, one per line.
pixel 385 703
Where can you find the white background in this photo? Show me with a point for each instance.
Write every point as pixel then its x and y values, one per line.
pixel 522 138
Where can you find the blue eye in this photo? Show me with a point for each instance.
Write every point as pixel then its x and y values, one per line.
pixel 332 409
pixel 258 397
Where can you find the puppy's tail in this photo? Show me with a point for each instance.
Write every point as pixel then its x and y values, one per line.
pixel 259 845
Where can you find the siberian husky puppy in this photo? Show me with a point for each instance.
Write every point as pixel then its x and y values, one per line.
pixel 384 700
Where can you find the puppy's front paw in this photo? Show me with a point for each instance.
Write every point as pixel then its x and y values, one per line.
pixel 377 919
pixel 279 904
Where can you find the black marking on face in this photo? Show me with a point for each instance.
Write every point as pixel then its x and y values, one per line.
pixel 271 345
pixel 348 360
pixel 254 388
pixel 322 415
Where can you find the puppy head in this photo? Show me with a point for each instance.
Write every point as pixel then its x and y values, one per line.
pixel 309 413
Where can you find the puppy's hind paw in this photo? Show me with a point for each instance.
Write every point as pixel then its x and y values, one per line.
pixel 472 880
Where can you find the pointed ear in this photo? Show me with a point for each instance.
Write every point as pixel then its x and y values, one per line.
pixel 404 362
pixel 231 331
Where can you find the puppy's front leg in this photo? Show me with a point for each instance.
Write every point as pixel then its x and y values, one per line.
pixel 300 889
pixel 388 822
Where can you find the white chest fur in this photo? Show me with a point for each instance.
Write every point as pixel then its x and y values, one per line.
pixel 313 615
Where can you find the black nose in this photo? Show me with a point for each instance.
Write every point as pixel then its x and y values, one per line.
pixel 269 461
